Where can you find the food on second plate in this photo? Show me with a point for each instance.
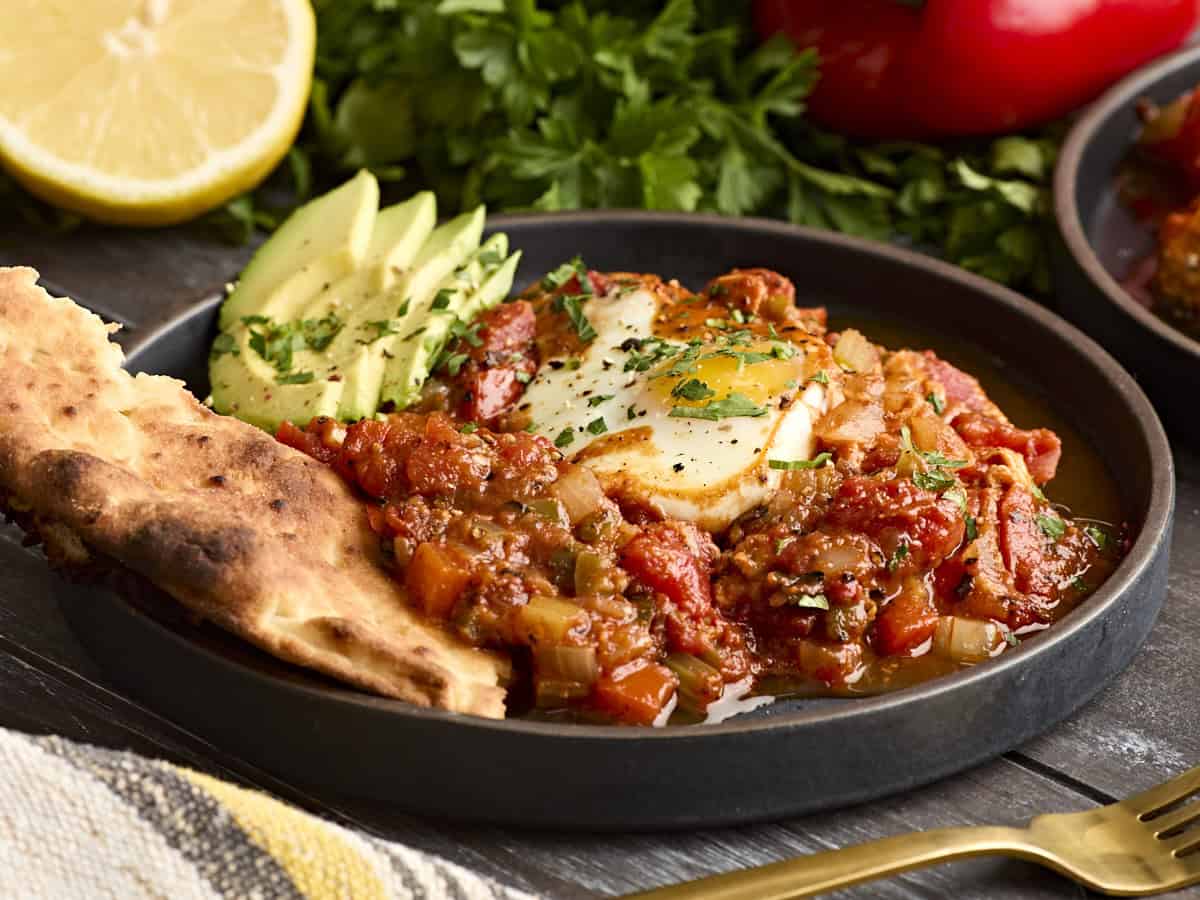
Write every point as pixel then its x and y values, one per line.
pixel 105 467
pixel 1161 185
pixel 653 499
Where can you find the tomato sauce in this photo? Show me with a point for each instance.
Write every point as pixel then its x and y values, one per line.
pixel 925 544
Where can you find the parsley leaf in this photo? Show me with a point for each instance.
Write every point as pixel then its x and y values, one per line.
pixel 1052 526
pixel 597 426
pixel 565 438
pixel 692 389
pixel 726 408
pixel 572 305
pixel 599 399
pixel 795 464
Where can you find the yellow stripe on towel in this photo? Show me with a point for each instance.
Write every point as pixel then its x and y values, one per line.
pixel 321 864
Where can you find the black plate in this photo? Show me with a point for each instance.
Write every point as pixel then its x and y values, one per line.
pixel 1101 240
pixel 788 758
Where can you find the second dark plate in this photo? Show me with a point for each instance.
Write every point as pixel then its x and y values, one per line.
pixel 792 757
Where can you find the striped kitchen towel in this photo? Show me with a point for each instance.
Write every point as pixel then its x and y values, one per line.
pixel 81 821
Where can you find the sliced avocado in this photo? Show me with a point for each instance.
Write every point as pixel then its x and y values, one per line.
pixel 478 286
pixel 399 315
pixel 247 385
pixel 319 243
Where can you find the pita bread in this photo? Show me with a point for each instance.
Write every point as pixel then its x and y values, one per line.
pixel 241 530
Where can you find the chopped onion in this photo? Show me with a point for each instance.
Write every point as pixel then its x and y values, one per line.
pixel 852 422
pixel 579 491
pixel 855 353
pixel 967 640
pixel 577 664
pixel 548 620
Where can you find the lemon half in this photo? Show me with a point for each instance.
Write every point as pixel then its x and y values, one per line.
pixel 149 112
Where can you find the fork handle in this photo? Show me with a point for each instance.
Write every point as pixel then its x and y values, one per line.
pixel 817 873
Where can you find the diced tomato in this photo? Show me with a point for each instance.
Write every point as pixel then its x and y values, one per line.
pixel 436 578
pixel 832 663
pixel 676 559
pixel 490 379
pixel 317 440
pixel 895 510
pixel 905 623
pixel 639 697
pixel 448 461
pixel 1040 447
pixel 749 289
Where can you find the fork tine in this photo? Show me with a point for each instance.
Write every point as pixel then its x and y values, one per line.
pixel 1165 794
pixel 1176 818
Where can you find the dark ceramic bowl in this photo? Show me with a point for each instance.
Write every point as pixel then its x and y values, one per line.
pixel 1101 241
pixel 794 756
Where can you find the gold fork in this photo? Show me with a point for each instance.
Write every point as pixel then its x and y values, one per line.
pixel 1139 846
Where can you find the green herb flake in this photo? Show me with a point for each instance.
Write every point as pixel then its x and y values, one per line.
pixel 792 465
pixel 402 310
pixel 898 556
pixel 442 299
pixel 597 426
pixel 1097 536
pixel 1011 639
pixel 820 378
pixel 692 389
pixel 454 363
pixel 565 438
pixel 972 530
pixel 936 481
pixel 382 327
pixel 523 377
pixel 294 378
pixel 1052 526
pixel 572 305
pixel 939 405
pixel 733 406
pixel 223 344
pixel 469 428
pixel 809 601
pixel 593 402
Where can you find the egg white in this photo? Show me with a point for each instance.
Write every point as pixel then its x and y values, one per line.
pixel 704 471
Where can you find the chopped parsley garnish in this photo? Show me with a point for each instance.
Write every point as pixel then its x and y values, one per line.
pixel 469 428
pixel 455 362
pixel 1052 526
pixel 469 332
pixel 402 310
pixel 898 556
pixel 412 334
pixel 692 389
pixel 717 323
pixel 597 426
pixel 572 305
pixel 294 378
pixel 727 408
pixel 442 299
pixel 1097 535
pixel 565 438
pixel 277 343
pixel 224 343
pixel 936 480
pixel 1036 491
pixel 1011 639
pixel 572 268
pixel 936 402
pixel 645 353
pixel 383 327
pixel 809 601
pixel 598 399
pixel 738 316
pixel 793 464
pixel 972 531
pixel 1079 584
pixel 820 378
pixel 959 496
pixel 523 377
pixel 630 412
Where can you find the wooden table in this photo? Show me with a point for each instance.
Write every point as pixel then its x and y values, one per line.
pixel 1142 729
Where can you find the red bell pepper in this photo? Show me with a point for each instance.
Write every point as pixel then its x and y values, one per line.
pixel 942 68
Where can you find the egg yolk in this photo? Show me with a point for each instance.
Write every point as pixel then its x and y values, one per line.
pixel 758 371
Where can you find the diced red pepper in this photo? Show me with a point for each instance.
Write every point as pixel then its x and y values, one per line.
pixel 639 697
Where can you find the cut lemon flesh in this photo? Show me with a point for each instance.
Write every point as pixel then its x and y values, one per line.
pixel 150 112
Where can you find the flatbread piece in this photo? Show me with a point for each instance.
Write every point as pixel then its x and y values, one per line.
pixel 247 533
